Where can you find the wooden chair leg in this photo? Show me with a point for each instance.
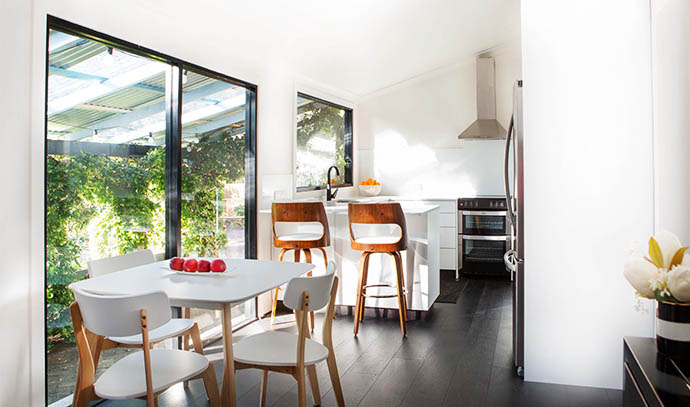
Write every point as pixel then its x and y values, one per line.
pixel 314 384
pixel 401 298
pixel 264 386
pixel 83 388
pixel 325 257
pixel 365 279
pixel 301 388
pixel 185 339
pixel 325 263
pixel 297 255
pixel 335 379
pixel 307 259
pixel 402 282
pixel 275 305
pixel 209 376
pixel 363 266
pixel 282 253
pixel 275 295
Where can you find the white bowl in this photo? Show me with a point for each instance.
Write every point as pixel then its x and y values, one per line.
pixel 371 190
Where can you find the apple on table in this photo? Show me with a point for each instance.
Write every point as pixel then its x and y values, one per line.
pixel 190 265
pixel 177 263
pixel 218 266
pixel 204 266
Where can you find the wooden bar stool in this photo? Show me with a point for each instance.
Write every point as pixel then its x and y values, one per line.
pixel 391 244
pixel 303 236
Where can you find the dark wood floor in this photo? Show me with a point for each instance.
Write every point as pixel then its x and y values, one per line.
pixel 456 355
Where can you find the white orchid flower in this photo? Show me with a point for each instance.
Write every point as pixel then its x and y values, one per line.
pixel 669 245
pixel 686 260
pixel 678 282
pixel 640 273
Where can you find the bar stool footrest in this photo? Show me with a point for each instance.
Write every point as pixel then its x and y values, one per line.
pixel 394 295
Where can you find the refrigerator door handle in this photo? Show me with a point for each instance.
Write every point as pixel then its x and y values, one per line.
pixel 506 176
pixel 508 258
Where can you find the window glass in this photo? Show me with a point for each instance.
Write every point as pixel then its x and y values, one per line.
pixel 324 139
pixel 213 176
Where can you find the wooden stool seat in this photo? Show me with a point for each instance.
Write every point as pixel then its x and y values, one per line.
pixel 300 242
pixel 379 214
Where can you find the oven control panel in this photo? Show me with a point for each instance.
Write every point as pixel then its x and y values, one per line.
pixel 490 204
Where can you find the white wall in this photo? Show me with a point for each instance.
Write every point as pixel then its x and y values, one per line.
pixel 408 134
pixel 671 70
pixel 15 28
pixel 588 183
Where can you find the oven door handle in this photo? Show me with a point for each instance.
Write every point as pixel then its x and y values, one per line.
pixel 494 238
pixel 484 213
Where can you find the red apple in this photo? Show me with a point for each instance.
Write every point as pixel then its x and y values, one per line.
pixel 204 266
pixel 190 265
pixel 176 263
pixel 218 266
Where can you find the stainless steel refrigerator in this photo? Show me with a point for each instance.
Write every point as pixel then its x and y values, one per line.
pixel 515 257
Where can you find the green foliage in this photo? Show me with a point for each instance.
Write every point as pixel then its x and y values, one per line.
pixel 320 120
pixel 120 201
pixel 207 167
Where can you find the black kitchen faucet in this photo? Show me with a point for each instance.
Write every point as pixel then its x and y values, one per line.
pixel 331 195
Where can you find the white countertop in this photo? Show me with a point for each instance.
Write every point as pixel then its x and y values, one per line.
pixel 341 207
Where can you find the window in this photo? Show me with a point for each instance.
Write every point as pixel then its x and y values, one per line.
pixel 324 139
pixel 142 151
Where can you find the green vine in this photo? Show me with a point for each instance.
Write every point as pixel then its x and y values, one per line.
pixel 118 202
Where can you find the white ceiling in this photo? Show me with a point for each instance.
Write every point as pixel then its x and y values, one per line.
pixel 359 46
pixel 356 46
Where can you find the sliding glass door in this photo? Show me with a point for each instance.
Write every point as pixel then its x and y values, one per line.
pixel 214 144
pixel 143 151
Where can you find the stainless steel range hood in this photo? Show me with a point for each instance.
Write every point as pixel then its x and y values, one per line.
pixel 486 127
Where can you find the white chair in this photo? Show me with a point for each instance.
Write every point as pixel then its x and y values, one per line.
pixel 172 329
pixel 284 352
pixel 144 374
pixel 124 261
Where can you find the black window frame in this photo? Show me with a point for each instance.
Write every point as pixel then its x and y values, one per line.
pixel 348 144
pixel 173 136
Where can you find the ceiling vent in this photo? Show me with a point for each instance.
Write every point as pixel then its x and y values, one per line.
pixel 486 127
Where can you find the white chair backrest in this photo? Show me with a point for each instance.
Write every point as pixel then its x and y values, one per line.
pixel 119 315
pixel 319 289
pixel 125 261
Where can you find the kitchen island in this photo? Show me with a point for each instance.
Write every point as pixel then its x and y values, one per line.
pixel 420 260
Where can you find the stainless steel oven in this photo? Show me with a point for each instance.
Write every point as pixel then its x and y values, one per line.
pixel 483 235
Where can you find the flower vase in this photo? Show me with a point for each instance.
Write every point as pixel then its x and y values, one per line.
pixel 673 330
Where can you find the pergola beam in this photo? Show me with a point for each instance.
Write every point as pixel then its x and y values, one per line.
pixel 95 78
pixel 213 124
pixel 109 86
pixel 75 148
pixel 146 111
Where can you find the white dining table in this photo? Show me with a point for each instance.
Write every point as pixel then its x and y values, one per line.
pixel 243 280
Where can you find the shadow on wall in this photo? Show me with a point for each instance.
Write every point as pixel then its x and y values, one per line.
pixel 472 168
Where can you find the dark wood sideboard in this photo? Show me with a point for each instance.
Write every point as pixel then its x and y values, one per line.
pixel 652 379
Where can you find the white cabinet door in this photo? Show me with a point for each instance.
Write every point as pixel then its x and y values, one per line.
pixel 448 259
pixel 449 238
pixel 448 220
pixel 444 206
